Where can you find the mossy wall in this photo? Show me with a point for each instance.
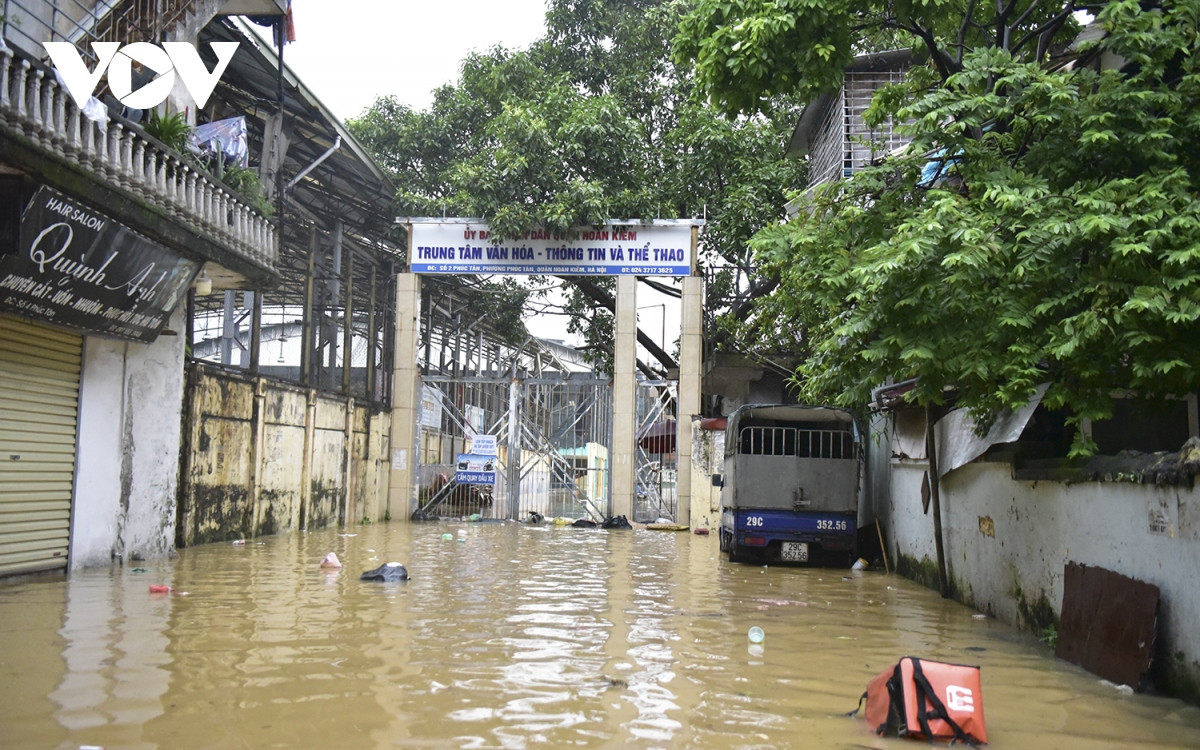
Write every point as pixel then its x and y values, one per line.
pixel 263 457
pixel 1007 542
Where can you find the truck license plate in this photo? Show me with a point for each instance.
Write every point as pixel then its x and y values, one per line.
pixel 794 551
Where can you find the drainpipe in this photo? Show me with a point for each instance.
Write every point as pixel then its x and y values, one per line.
pixel 337 143
pixel 935 501
pixel 255 331
pixel 306 461
pixel 348 465
pixel 329 323
pixel 228 327
pixel 307 352
pixel 347 321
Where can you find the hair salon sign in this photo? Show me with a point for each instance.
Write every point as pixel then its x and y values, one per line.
pixel 77 267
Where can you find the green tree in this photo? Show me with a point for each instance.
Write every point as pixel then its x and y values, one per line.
pixel 594 121
pixel 1042 228
pixel 747 52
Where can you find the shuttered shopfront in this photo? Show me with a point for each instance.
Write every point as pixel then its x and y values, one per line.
pixel 39 397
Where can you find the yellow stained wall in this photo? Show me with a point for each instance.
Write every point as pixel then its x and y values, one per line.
pixel 261 457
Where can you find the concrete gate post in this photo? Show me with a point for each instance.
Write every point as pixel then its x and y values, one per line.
pixel 406 380
pixel 690 340
pixel 624 448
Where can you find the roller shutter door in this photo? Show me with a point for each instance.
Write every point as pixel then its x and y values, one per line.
pixel 39 397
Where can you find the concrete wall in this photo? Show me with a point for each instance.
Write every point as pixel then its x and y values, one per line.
pixel 266 458
pixel 708 458
pixel 127 465
pixel 1007 541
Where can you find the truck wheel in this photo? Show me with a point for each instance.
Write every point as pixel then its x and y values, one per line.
pixel 735 554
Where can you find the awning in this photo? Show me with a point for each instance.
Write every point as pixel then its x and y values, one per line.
pixel 659 437
pixel 958 443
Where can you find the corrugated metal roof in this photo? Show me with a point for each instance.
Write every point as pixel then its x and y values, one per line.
pixel 348 184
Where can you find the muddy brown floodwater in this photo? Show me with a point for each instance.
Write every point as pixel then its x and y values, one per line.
pixel 511 636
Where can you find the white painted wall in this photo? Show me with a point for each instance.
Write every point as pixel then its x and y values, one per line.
pixel 708 458
pixel 127 464
pixel 1150 533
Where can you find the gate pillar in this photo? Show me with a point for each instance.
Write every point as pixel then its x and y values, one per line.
pixel 624 446
pixel 402 486
pixel 690 339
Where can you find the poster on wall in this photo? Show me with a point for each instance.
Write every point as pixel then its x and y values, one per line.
pixel 430 414
pixel 76 267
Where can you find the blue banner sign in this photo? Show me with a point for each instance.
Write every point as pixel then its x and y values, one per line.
pixel 466 246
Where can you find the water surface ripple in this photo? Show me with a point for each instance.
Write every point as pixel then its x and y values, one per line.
pixel 511 636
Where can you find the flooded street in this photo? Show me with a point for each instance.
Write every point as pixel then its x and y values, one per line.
pixel 513 637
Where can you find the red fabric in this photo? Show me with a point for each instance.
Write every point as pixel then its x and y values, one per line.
pixel 289 23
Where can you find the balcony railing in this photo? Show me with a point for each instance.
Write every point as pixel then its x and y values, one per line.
pixel 83 22
pixel 34 104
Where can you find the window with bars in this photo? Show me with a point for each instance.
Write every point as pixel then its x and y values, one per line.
pixel 797 442
pixel 862 145
pixel 843 143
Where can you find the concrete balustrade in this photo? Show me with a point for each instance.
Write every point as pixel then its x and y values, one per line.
pixel 35 104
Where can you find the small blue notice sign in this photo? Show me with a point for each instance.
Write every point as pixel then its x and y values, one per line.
pixel 473 468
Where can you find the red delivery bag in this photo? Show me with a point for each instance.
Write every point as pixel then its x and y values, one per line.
pixel 928 700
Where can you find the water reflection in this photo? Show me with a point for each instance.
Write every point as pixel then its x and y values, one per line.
pixel 116 670
pixel 512 637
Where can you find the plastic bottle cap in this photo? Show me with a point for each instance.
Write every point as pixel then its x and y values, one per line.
pixel 756 634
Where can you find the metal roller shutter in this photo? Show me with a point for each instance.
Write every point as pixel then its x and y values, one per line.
pixel 39 397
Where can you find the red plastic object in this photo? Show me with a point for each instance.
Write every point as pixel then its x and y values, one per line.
pixel 157 589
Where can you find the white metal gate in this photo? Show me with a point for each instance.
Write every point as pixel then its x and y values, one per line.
pixel 656 494
pixel 39 397
pixel 552 438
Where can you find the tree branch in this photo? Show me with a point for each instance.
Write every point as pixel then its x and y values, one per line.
pixel 599 295
pixel 1028 11
pixel 1049 27
pixel 741 308
pixel 961 41
pixel 943 61
pixel 658 286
